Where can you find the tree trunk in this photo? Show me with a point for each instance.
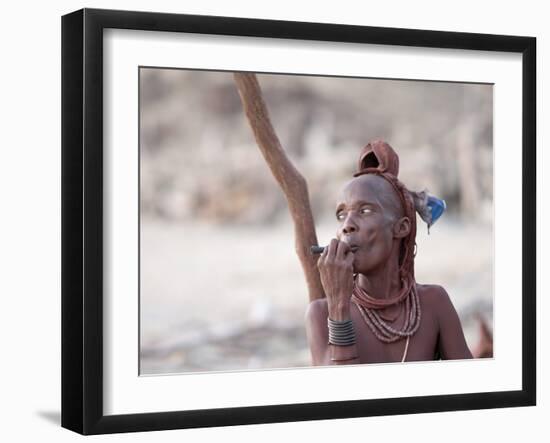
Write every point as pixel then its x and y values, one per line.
pixel 292 183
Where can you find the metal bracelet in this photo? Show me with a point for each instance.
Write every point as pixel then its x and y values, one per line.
pixel 341 332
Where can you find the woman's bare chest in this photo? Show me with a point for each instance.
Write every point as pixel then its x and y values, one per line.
pixel 422 345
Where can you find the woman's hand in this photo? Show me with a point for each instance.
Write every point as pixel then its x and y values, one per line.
pixel 336 270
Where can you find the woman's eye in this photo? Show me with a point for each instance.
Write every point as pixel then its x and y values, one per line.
pixel 365 210
pixel 340 216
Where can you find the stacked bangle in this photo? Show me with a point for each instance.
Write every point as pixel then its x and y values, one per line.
pixel 341 333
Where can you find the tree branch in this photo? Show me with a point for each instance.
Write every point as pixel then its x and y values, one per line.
pixel 293 184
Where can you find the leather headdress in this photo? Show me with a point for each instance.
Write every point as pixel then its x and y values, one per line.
pixel 379 158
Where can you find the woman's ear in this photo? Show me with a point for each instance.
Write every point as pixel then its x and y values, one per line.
pixel 402 227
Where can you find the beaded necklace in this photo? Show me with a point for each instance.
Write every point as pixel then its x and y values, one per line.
pixel 369 306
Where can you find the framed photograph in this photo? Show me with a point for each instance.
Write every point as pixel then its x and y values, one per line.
pixel 271 221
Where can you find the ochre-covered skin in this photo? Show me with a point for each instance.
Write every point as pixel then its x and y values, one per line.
pixel 439 335
pixel 372 250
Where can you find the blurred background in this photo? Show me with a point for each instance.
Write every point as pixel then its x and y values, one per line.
pixel 221 286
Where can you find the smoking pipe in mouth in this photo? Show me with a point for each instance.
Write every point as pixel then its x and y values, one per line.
pixel 319 249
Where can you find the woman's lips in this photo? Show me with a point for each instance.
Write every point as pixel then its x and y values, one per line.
pixel 354 248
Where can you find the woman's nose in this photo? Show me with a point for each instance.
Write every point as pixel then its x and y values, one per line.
pixel 349 226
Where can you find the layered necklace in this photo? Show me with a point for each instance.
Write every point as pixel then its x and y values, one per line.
pixel 369 308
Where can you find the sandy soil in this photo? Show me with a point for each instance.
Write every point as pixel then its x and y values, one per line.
pixel 232 298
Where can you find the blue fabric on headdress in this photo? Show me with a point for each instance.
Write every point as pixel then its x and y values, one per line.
pixel 437 207
pixel 429 207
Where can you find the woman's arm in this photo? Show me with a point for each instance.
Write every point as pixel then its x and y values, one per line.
pixel 323 353
pixel 452 344
pixel 336 270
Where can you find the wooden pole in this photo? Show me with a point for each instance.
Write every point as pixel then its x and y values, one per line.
pixel 290 180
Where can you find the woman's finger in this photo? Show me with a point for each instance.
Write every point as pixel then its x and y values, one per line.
pixel 348 260
pixel 343 249
pixel 332 249
pixel 322 257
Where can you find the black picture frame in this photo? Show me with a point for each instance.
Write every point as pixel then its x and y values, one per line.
pixel 82 220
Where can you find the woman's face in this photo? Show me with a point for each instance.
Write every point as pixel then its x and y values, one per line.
pixel 367 212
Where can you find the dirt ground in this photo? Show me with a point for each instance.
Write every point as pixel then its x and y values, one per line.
pixel 219 298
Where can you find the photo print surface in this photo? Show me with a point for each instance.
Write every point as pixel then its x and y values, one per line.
pixel 221 285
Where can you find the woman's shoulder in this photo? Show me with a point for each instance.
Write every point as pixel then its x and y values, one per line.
pixel 433 295
pixel 316 308
pixel 430 290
